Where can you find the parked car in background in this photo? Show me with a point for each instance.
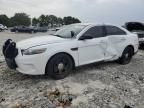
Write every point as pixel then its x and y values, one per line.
pixel 5 28
pixel 73 45
pixel 41 29
pixel 23 29
pixel 54 29
pixel 57 28
pixel 137 28
pixel 31 29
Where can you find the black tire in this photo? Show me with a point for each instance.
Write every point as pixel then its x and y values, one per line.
pixel 59 66
pixel 126 56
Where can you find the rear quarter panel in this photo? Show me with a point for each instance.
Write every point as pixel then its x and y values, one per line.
pixel 131 39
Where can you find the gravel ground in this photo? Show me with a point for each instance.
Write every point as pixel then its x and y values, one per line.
pixel 106 85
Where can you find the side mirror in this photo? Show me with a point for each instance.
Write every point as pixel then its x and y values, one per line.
pixel 72 33
pixel 57 29
pixel 85 37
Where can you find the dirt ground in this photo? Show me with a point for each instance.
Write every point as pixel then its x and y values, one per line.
pixel 105 85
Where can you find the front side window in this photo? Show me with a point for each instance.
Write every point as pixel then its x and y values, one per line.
pixel 112 30
pixel 95 32
pixel 70 31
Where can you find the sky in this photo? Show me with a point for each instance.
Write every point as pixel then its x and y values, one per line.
pixel 92 11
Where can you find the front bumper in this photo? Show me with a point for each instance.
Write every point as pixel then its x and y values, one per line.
pixel 141 43
pixel 26 64
pixel 30 65
pixel 141 40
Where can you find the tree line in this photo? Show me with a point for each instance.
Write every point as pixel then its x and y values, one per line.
pixel 42 20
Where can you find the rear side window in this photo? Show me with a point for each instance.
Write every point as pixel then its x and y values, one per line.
pixel 96 32
pixel 112 30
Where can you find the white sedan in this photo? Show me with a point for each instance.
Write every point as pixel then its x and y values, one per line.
pixel 72 46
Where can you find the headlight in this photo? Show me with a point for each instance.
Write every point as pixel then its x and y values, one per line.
pixel 31 51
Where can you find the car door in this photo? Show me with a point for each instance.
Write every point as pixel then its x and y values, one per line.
pixel 116 42
pixel 92 50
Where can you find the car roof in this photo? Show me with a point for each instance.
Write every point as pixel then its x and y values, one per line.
pixel 98 24
pixel 95 24
pixel 86 24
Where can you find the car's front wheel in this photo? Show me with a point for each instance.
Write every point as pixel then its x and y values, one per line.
pixel 59 66
pixel 126 56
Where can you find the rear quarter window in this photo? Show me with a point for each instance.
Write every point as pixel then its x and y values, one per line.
pixel 113 30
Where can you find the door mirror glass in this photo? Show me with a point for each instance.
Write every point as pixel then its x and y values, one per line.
pixel 72 33
pixel 85 37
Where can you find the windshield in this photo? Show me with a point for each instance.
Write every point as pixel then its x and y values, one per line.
pixel 70 31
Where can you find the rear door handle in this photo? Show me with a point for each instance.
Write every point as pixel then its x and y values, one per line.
pixel 102 41
pixel 123 39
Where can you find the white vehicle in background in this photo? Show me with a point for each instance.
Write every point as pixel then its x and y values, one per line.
pixel 5 28
pixel 72 46
pixel 2 27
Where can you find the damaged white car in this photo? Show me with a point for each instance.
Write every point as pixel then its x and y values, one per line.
pixel 74 45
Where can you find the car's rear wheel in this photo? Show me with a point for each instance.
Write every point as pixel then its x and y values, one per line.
pixel 126 56
pixel 59 66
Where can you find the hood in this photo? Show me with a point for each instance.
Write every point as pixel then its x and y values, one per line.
pixel 42 40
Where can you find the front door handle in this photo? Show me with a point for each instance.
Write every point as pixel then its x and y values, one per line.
pixel 74 49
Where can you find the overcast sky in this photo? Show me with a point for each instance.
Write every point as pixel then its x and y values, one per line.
pixel 101 11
